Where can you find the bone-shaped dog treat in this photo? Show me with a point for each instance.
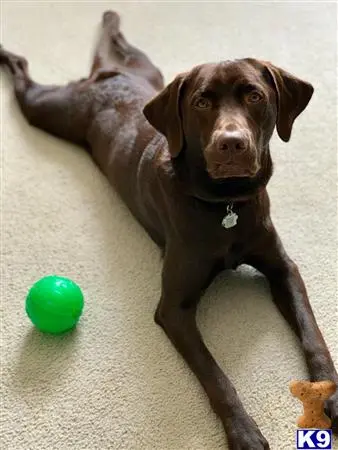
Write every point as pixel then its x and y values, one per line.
pixel 313 396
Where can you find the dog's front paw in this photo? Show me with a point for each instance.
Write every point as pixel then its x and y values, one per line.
pixel 331 409
pixel 244 434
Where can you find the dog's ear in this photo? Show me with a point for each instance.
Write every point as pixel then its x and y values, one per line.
pixel 293 95
pixel 163 113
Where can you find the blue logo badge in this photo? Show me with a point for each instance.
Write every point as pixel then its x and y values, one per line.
pixel 314 439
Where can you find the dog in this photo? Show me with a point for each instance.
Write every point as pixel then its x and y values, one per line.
pixel 191 161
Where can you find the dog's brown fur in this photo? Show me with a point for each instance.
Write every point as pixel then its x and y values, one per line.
pixel 205 145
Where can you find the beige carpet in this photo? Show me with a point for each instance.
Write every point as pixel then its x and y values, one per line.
pixel 116 383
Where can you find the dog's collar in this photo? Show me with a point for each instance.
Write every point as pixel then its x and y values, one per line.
pixel 231 217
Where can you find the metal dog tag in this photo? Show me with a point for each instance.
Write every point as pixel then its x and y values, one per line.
pixel 230 220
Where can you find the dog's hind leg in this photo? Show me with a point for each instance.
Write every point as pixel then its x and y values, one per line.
pixel 60 110
pixel 65 111
pixel 114 52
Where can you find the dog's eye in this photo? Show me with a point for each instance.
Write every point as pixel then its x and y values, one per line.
pixel 202 103
pixel 254 97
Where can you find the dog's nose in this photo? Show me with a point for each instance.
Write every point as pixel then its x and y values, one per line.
pixel 232 141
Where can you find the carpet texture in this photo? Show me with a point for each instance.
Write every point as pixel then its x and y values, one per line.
pixel 116 382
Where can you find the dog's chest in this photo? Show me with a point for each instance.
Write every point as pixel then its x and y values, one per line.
pixel 226 232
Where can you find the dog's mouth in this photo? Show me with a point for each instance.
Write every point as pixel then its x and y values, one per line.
pixel 221 172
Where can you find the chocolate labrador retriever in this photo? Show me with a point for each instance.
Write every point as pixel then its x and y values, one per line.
pixel 192 163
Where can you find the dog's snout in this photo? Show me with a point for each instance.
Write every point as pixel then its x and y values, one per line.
pixel 232 141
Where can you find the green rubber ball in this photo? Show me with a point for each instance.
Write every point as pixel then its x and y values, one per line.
pixel 54 304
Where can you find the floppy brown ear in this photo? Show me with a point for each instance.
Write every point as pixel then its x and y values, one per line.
pixel 293 95
pixel 163 113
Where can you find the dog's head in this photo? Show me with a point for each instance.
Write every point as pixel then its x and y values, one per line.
pixel 222 116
